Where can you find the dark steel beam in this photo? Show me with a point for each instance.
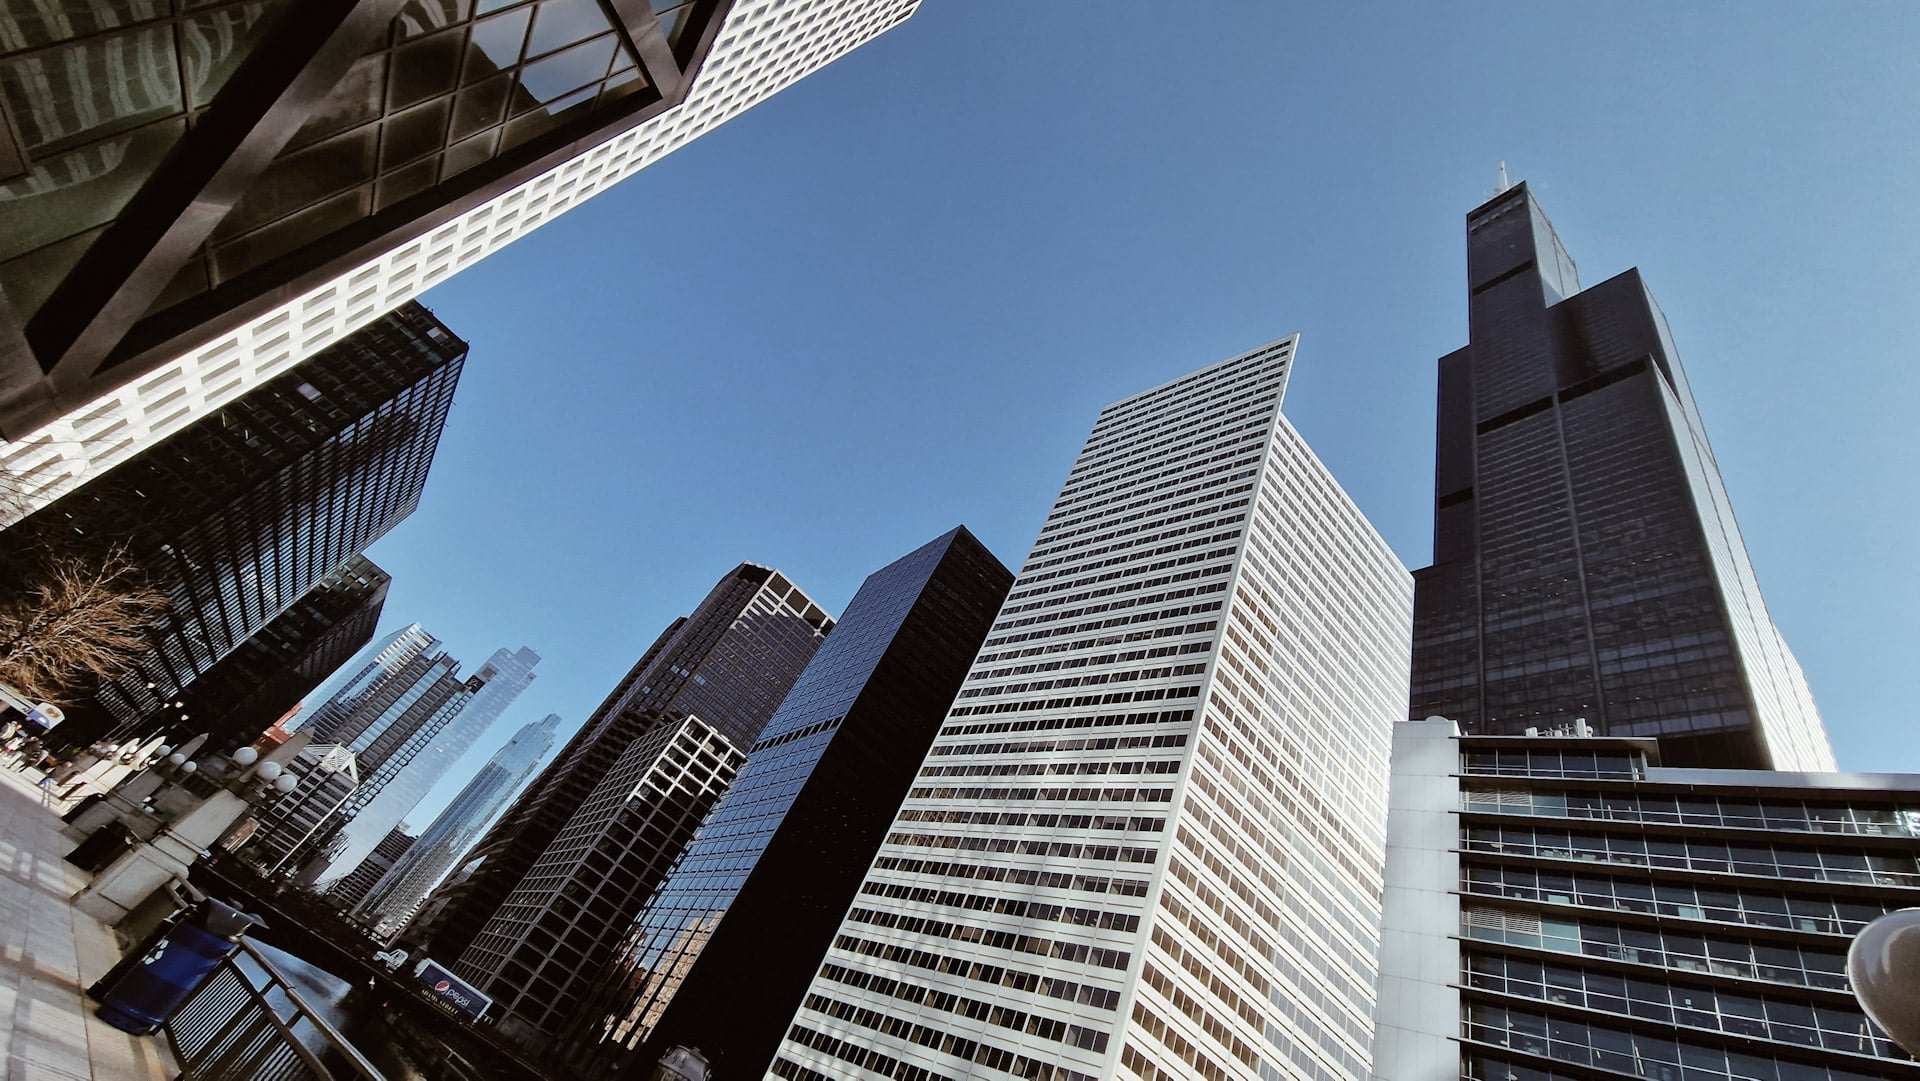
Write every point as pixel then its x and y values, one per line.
pixel 306 52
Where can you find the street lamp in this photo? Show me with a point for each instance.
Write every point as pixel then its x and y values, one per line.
pixel 1883 964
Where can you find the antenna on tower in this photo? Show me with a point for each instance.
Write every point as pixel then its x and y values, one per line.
pixel 1503 178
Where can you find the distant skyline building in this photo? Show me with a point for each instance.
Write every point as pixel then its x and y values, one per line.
pixel 353 886
pixel 1566 907
pixel 274 670
pixel 385 714
pixel 241 514
pixel 1587 564
pixel 1147 842
pixel 432 749
pixel 729 663
pixel 398 895
pixel 538 954
pixel 283 827
pixel 722 954
pixel 342 159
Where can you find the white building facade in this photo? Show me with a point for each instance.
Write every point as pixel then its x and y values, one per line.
pixel 762 47
pixel 1148 841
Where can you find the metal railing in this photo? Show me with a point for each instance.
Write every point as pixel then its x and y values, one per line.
pixel 239 1027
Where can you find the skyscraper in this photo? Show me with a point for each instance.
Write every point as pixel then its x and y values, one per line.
pixel 385 714
pixel 394 899
pixel 281 663
pixel 343 156
pixel 1586 561
pixel 432 749
pixel 241 514
pixel 723 952
pixel 354 885
pixel 283 827
pixel 729 663
pixel 1147 841
pixel 1568 907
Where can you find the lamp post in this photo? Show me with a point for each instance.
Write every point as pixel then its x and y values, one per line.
pixel 1883 964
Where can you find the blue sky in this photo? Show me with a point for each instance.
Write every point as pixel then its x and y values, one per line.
pixel 893 298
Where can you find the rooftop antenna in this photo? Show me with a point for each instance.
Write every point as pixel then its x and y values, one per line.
pixel 1504 185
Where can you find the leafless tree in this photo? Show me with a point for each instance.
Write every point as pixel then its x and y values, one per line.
pixel 76 620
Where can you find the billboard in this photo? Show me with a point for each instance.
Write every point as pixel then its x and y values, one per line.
pixel 451 989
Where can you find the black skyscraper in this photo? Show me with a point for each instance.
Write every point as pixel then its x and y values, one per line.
pixel 721 956
pixel 1586 559
pixel 730 663
pixel 242 514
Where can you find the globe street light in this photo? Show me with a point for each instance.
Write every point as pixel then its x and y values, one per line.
pixel 1883 964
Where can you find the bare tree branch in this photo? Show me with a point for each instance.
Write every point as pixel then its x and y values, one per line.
pixel 78 619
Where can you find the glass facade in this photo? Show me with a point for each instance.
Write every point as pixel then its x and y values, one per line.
pixel 1586 561
pixel 1147 840
pixel 395 898
pixel 730 663
pixel 243 513
pixel 721 956
pixel 1667 923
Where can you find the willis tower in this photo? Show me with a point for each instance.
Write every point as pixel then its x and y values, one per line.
pixel 1587 565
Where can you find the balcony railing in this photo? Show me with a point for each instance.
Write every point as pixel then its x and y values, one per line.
pixel 247 1023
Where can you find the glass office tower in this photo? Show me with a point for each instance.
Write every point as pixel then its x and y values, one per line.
pixel 1566 907
pixel 1586 561
pixel 432 750
pixel 1147 841
pixel 191 188
pixel 729 663
pixel 394 899
pixel 242 513
pixel 722 954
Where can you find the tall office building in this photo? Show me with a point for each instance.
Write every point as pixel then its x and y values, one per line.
pixel 343 156
pixel 354 885
pixel 394 899
pixel 729 663
pixel 537 955
pixel 432 749
pixel 283 827
pixel 1586 561
pixel 386 714
pixel 242 513
pixel 1562 907
pixel 1147 841
pixel 280 664
pixel 722 954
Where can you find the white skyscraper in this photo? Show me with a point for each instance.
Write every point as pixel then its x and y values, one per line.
pixel 1148 841
pixel 667 73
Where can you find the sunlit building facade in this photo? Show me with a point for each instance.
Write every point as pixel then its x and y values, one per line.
pixel 195 197
pixel 1147 841
pixel 1562 906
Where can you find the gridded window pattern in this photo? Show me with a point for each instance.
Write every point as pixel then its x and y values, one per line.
pixel 730 663
pixel 1723 952
pixel 1748 1012
pixel 98 93
pixel 1538 762
pixel 1190 687
pixel 1720 812
pixel 1757 906
pixel 1835 863
pixel 241 514
pixel 873 695
pixel 450 87
pixel 762 47
pixel 1621 1049
pixel 536 955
